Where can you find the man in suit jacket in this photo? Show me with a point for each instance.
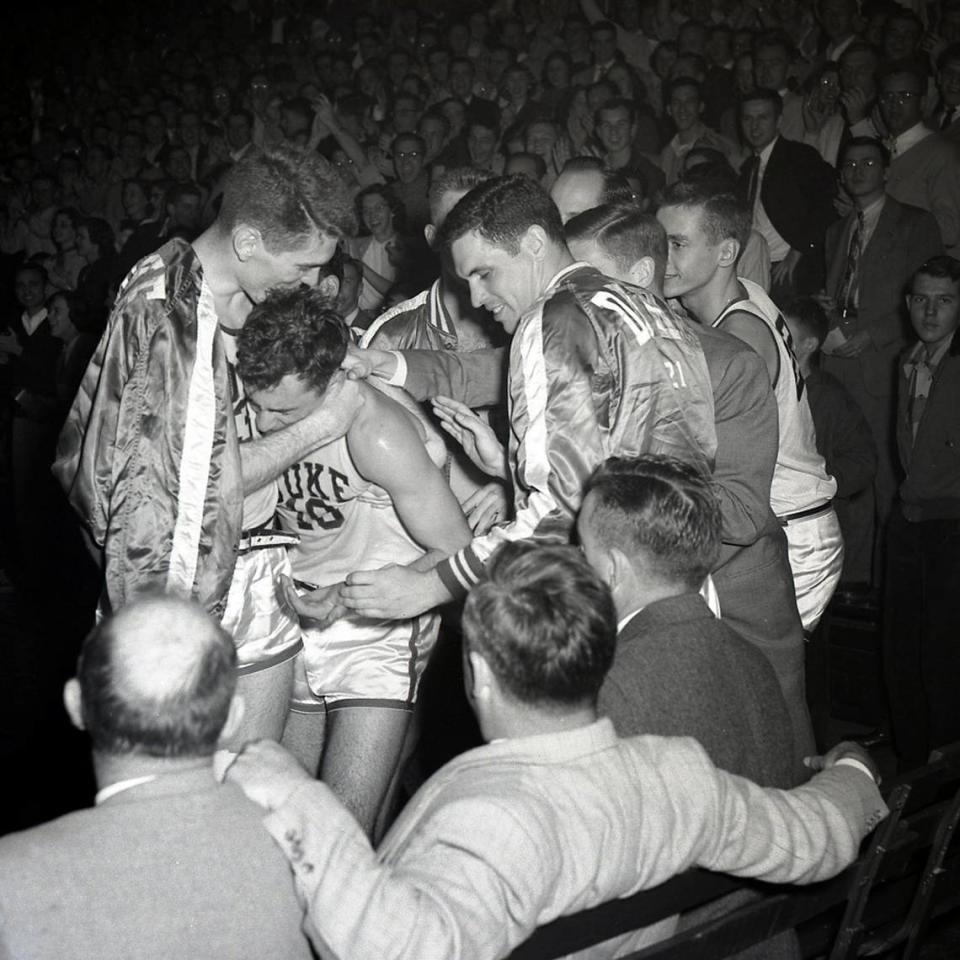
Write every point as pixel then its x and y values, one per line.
pixel 790 188
pixel 947 118
pixel 651 528
pixel 169 863
pixel 925 169
pixel 922 603
pixel 521 830
pixel 870 256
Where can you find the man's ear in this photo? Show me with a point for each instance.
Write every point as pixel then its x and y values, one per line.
pixel 246 241
pixel 329 286
pixel 534 242
pixel 73 702
pixel 481 677
pixel 430 234
pixel 729 251
pixel 643 272
pixel 235 715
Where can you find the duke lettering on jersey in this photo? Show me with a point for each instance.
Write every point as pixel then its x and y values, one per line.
pixel 311 490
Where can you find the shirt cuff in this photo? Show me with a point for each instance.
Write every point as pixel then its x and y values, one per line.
pixel 399 377
pixel 857 764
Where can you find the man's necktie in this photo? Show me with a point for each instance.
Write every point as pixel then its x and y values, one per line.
pixel 847 299
pixel 753 181
pixel 920 384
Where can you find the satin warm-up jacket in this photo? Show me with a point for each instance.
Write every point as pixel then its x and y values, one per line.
pixel 597 369
pixel 149 456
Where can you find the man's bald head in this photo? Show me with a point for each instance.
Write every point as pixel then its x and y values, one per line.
pixel 157 678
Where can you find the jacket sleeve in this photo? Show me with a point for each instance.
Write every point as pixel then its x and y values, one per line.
pixel 745 413
pixel 478 379
pixel 88 444
pixel 922 241
pixel 558 437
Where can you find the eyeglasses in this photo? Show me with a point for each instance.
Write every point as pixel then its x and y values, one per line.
pixel 867 163
pixel 407 155
pixel 899 97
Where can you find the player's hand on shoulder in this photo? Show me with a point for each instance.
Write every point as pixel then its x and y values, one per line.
pixel 474 434
pixel 363 362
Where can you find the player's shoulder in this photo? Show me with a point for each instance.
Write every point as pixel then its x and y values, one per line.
pixel 159 275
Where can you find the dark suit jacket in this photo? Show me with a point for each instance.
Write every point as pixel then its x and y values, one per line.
pixel 797 194
pixel 179 867
pixel 679 671
pixel 931 489
pixel 905 237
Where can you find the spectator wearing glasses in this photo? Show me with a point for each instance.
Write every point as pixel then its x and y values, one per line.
pixel 870 255
pixel 924 171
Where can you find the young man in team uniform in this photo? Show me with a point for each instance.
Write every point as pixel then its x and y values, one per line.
pixel 370 499
pixel 159 455
pixel 596 369
pixel 706 232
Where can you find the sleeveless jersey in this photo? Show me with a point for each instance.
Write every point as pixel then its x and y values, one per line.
pixel 800 478
pixel 344 521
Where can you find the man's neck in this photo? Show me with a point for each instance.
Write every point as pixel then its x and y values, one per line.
pixel 513 724
pixel 110 769
pixel 708 302
pixel 690 134
pixel 631 599
pixel 864 202
pixel 216 257
pixel 619 158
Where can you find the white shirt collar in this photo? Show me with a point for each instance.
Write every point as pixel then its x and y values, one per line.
pixel 910 138
pixel 114 788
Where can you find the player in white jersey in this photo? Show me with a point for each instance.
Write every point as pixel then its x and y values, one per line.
pixel 372 498
pixel 705 232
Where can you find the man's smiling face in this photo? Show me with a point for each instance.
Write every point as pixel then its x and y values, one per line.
pixel 500 280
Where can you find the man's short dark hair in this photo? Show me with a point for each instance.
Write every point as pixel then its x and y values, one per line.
pixel 291 332
pixel 860 46
pixel 545 623
pixel 454 180
pixel 286 194
pixel 421 145
pixel 624 232
pixel 662 507
pixel 723 215
pixel 764 95
pixel 809 316
pixel 677 83
pixel 873 142
pixel 943 267
pixel 32 266
pixel 907 68
pixel 617 103
pixel 101 235
pixel 501 211
pixel 185 721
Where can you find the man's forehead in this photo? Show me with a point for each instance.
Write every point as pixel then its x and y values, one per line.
pixel 291 390
pixel 901 81
pixel 924 283
pixel 680 220
pixel 470 251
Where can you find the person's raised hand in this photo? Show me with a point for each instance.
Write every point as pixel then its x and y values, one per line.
pixel 474 434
